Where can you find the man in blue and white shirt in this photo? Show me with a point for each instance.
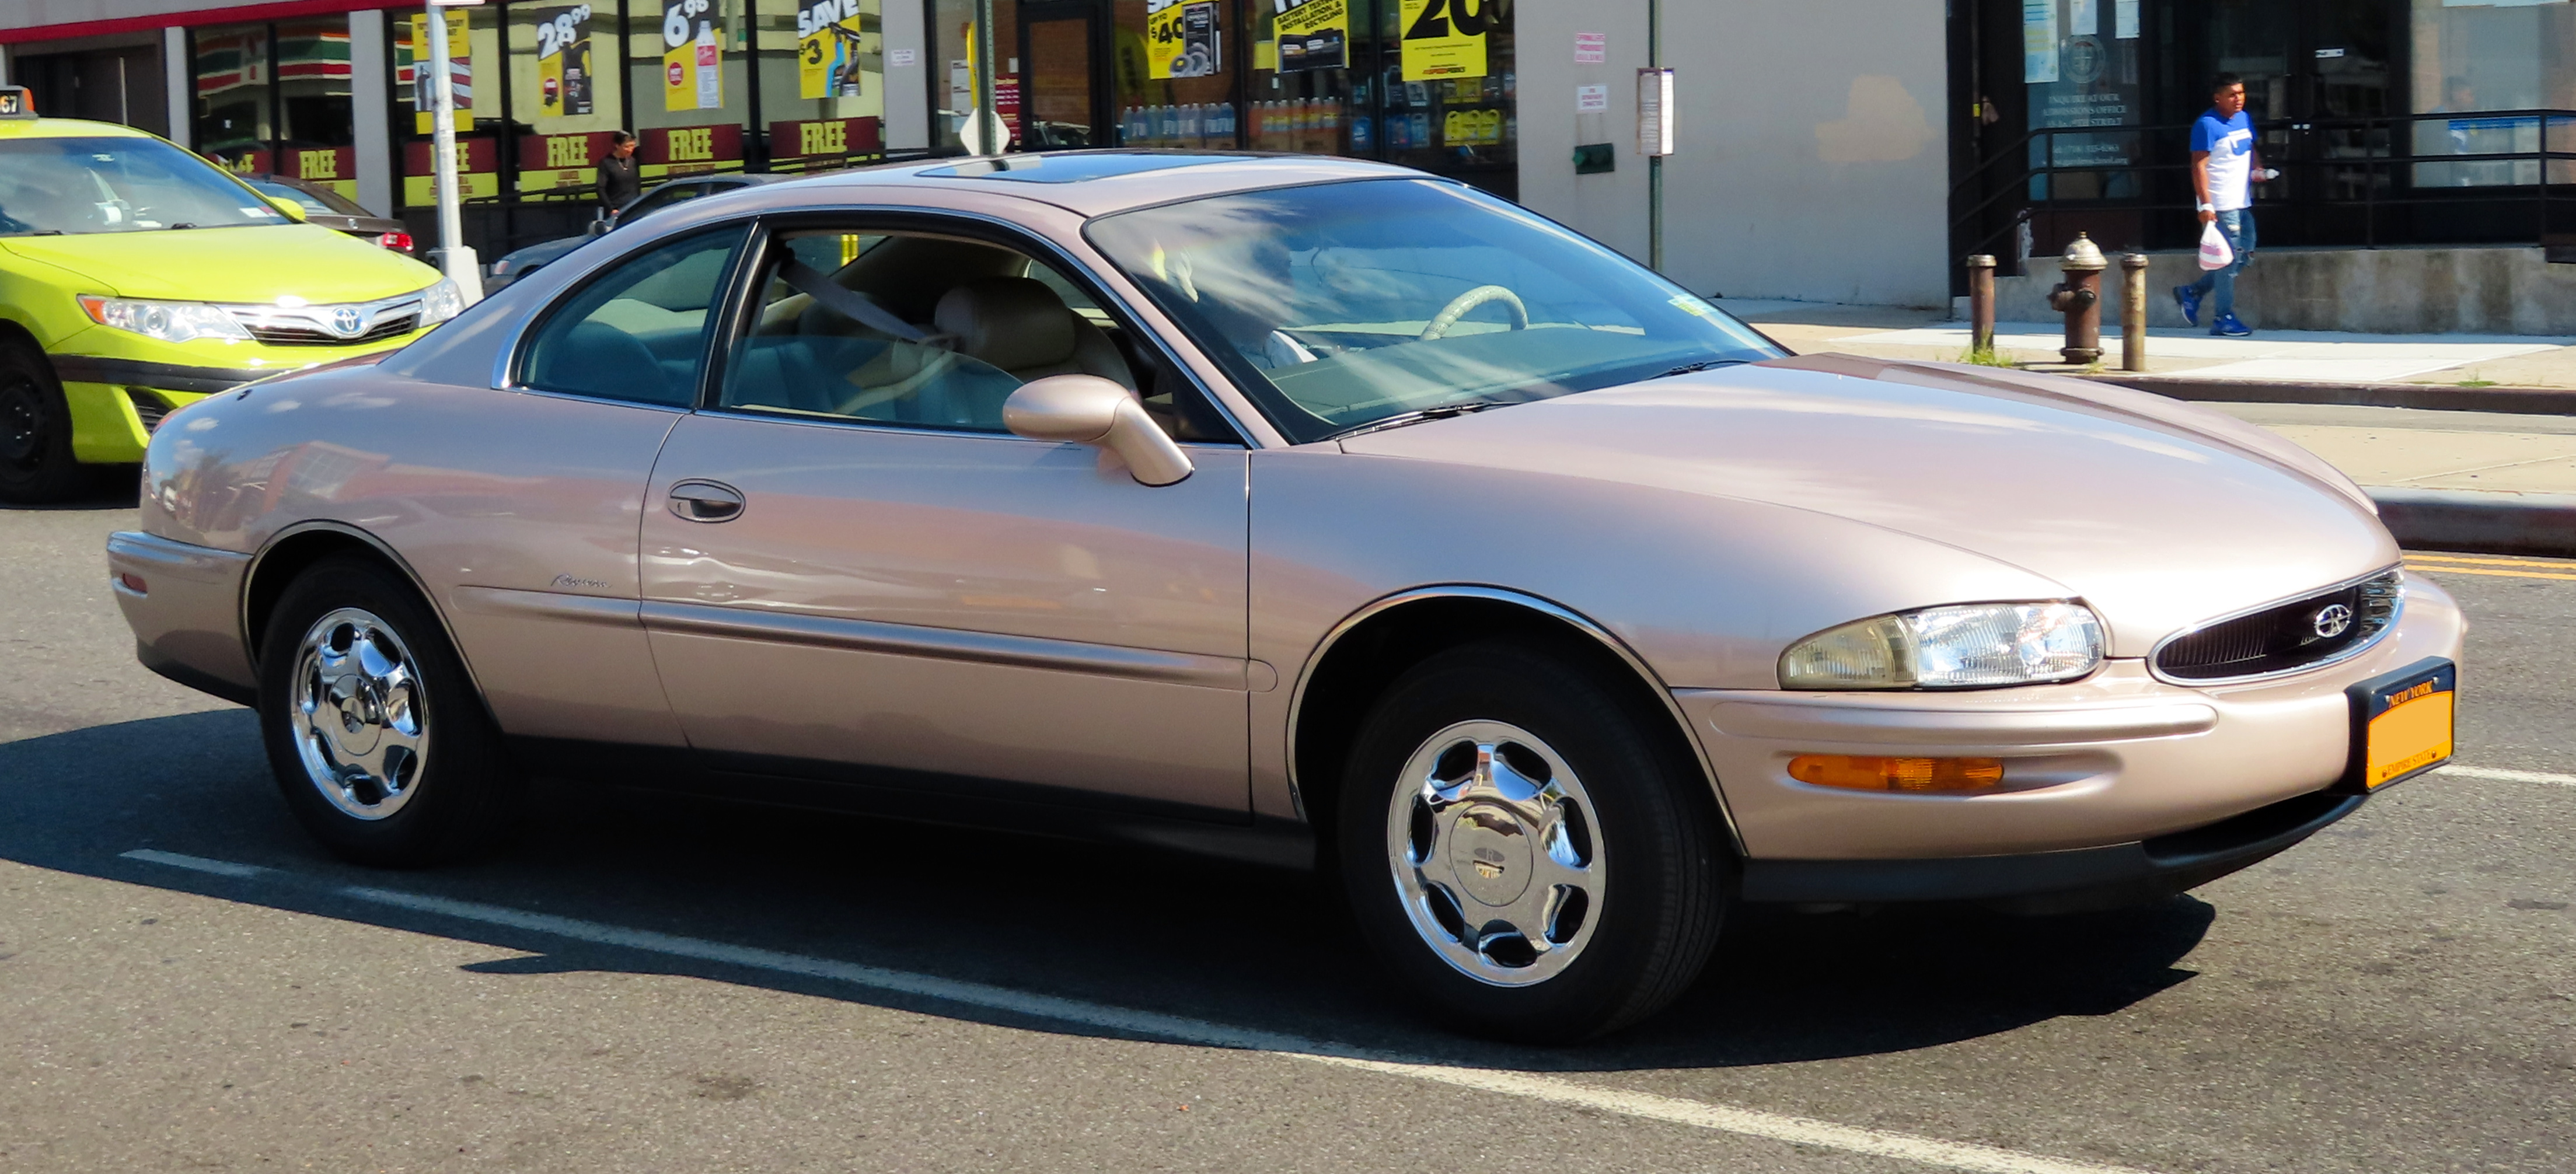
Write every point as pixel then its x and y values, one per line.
pixel 2223 173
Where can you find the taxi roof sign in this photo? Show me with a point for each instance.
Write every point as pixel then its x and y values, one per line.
pixel 16 102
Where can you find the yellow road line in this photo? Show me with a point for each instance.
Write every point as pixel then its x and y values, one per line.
pixel 2414 555
pixel 2499 574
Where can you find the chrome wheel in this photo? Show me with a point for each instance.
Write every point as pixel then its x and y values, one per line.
pixel 360 726
pixel 1496 853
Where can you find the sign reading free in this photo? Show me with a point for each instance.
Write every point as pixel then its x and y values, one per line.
pixel 681 150
pixel 824 138
pixel 560 161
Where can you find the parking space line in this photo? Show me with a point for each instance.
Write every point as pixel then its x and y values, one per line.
pixel 2507 776
pixel 193 863
pixel 1806 1131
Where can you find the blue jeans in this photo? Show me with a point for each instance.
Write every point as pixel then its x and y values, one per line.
pixel 2238 224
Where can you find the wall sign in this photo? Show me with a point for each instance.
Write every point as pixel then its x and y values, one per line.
pixel 829 46
pixel 1591 48
pixel 563 62
pixel 424 77
pixel 692 60
pixel 1313 34
pixel 1446 38
pixel 1182 39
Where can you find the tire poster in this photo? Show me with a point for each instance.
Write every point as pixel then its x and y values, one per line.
pixel 563 61
pixel 424 77
pixel 829 45
pixel 1446 38
pixel 1313 34
pixel 1181 39
pixel 692 57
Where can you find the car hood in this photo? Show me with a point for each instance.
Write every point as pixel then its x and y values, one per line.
pixel 2159 514
pixel 251 263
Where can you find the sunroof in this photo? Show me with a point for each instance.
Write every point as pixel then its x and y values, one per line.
pixel 1072 168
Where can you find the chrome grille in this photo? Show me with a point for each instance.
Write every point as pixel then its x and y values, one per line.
pixel 304 335
pixel 2284 637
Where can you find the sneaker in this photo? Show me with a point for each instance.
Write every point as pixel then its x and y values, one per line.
pixel 2190 303
pixel 2228 327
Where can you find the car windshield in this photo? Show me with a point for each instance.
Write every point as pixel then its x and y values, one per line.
pixel 117 185
pixel 1338 306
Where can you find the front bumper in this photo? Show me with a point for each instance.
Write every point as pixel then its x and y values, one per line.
pixel 116 403
pixel 2120 782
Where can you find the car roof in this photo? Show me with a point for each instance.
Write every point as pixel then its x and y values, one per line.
pixel 1091 183
pixel 66 128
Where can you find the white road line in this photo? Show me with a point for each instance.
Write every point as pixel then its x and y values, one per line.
pixel 1805 1131
pixel 2507 776
pixel 193 863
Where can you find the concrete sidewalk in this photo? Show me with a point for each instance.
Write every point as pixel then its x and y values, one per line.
pixel 2450 472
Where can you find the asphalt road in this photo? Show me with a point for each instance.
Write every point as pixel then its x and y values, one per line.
pixel 648 984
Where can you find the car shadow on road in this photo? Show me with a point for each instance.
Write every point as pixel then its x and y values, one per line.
pixel 1240 946
pixel 110 487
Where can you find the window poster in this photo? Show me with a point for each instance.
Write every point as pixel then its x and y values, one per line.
pixel 2038 41
pixel 2083 19
pixel 1181 38
pixel 829 46
pixel 460 69
pixel 692 58
pixel 1446 38
pixel 1313 34
pixel 563 61
pixel 2124 20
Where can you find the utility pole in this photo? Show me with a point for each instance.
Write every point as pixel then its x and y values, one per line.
pixel 455 258
pixel 990 133
pixel 1655 163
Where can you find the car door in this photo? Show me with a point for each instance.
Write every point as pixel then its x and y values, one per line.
pixel 853 572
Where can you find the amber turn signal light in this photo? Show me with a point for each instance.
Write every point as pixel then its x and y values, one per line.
pixel 1869 773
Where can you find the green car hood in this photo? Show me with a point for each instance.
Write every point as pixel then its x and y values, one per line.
pixel 250 263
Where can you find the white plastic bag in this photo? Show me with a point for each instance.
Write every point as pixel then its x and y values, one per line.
pixel 2214 253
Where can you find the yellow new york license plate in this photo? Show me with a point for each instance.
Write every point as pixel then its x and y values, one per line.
pixel 2402 723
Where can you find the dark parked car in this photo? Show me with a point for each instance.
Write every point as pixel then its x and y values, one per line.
pixel 332 210
pixel 522 262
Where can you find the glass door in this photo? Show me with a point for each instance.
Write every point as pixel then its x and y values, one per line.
pixel 1062 95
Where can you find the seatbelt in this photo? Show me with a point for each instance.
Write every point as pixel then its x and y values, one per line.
pixel 848 303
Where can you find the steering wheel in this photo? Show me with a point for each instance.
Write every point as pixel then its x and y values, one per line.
pixel 1458 307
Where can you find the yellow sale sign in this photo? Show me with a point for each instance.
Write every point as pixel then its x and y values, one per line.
pixel 424 73
pixel 829 46
pixel 692 58
pixel 1446 38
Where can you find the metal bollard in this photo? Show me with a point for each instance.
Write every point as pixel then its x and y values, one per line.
pixel 1981 304
pixel 2079 297
pixel 2133 312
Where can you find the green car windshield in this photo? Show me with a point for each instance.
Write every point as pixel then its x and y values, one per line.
pixel 1337 306
pixel 74 186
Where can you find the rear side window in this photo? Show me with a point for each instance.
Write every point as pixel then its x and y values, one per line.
pixel 639 331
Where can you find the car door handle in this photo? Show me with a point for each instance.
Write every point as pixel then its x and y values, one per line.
pixel 705 501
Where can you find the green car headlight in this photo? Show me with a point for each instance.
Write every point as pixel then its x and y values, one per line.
pixel 441 302
pixel 1966 646
pixel 167 321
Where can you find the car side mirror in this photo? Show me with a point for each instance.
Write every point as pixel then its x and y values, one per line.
pixel 1087 409
pixel 293 210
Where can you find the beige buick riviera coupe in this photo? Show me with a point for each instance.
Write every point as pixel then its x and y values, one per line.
pixel 1300 510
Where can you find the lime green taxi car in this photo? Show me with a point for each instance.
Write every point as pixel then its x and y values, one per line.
pixel 136 277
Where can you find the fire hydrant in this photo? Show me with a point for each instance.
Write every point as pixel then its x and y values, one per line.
pixel 2079 297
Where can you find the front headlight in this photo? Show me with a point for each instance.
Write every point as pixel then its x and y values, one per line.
pixel 167 321
pixel 1965 646
pixel 441 302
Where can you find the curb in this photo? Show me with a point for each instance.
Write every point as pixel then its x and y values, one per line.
pixel 2479 522
pixel 2535 401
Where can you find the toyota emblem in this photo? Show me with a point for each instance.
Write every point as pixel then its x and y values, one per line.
pixel 2332 620
pixel 346 323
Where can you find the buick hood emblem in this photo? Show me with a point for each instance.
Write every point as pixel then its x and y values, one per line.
pixel 347 322
pixel 2330 621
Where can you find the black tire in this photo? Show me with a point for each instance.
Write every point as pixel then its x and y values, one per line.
pixel 462 799
pixel 1670 875
pixel 36 465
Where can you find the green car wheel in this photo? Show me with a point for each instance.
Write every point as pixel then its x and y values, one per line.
pixel 36 464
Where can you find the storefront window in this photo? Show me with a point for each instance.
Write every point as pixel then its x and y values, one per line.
pixel 565 93
pixel 2473 59
pixel 1310 78
pixel 2080 65
pixel 474 65
pixel 692 99
pixel 1450 90
pixel 1184 94
pixel 822 81
pixel 233 102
